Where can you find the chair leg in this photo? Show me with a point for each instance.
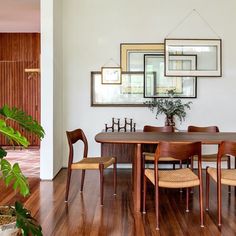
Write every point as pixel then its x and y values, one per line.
pixel 219 202
pixel 191 164
pixel 229 167
pixel 101 169
pixel 144 193
pixel 180 165
pixel 82 181
pixel 157 206
pixel 68 183
pixel 187 199
pixel 115 177
pixel 201 204
pixel 207 189
pixel 142 172
pixel 235 168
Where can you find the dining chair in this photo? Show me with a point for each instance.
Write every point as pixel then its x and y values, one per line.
pixel 179 178
pixel 209 157
pixel 221 176
pixel 87 163
pixel 149 156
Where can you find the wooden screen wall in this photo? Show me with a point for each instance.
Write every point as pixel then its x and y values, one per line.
pixel 19 51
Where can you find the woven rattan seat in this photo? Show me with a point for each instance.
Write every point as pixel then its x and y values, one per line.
pixel 212 158
pixel 92 163
pixel 181 178
pixel 149 156
pixel 228 176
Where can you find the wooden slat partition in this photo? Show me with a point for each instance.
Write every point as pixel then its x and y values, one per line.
pixel 20 90
pixel 19 51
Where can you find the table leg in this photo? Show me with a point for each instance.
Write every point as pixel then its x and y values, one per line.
pixel 137 178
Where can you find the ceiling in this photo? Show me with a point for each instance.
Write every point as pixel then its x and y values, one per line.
pixel 19 15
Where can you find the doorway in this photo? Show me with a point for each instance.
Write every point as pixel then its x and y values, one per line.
pixel 20 87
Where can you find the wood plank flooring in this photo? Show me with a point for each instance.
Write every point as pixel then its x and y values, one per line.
pixel 28 159
pixel 84 216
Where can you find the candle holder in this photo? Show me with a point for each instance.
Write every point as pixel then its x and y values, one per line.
pixel 116 125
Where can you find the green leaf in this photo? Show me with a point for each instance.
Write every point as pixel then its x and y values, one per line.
pixel 23 120
pixel 12 134
pixel 26 222
pixel 13 173
pixel 3 153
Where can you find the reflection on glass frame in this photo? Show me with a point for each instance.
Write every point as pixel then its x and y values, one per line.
pixel 129 93
pixel 131 54
pixel 111 75
pixel 156 85
pixel 207 51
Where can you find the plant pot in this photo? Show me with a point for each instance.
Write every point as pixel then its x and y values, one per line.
pixel 8 222
pixel 169 121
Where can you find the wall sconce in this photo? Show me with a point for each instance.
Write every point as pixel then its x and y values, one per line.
pixel 32 71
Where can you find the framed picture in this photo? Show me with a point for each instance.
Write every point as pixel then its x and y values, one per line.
pixel 129 93
pixel 207 53
pixel 131 54
pixel 111 75
pixel 157 85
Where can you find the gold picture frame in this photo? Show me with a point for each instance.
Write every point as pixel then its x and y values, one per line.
pixel 128 49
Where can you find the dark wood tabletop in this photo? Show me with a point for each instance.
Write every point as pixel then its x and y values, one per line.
pixel 154 138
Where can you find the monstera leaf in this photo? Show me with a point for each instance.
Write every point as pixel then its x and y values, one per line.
pixel 23 120
pixel 14 174
pixel 12 134
pixel 26 222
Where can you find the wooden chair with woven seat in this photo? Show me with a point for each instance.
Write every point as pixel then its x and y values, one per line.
pixel 221 176
pixel 209 157
pixel 150 156
pixel 180 178
pixel 87 163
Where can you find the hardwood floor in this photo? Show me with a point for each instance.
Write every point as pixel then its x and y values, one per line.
pixel 28 159
pixel 83 214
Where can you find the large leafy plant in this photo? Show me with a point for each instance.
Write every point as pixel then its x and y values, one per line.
pixel 170 106
pixel 12 174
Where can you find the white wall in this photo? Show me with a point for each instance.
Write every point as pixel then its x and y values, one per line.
pixel 57 87
pixel 92 33
pixel 51 88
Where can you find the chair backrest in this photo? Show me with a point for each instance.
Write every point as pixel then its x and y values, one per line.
pixel 73 137
pixel 209 129
pixel 227 147
pixel 149 128
pixel 177 150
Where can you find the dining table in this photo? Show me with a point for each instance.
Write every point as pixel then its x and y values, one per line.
pixel 140 138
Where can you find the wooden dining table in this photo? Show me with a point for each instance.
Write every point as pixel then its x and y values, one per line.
pixel 139 138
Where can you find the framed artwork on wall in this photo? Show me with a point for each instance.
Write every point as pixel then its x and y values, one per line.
pixel 207 52
pixel 131 54
pixel 128 93
pixel 111 75
pixel 157 85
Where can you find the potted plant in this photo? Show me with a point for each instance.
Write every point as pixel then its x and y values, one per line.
pixel 171 107
pixel 17 216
